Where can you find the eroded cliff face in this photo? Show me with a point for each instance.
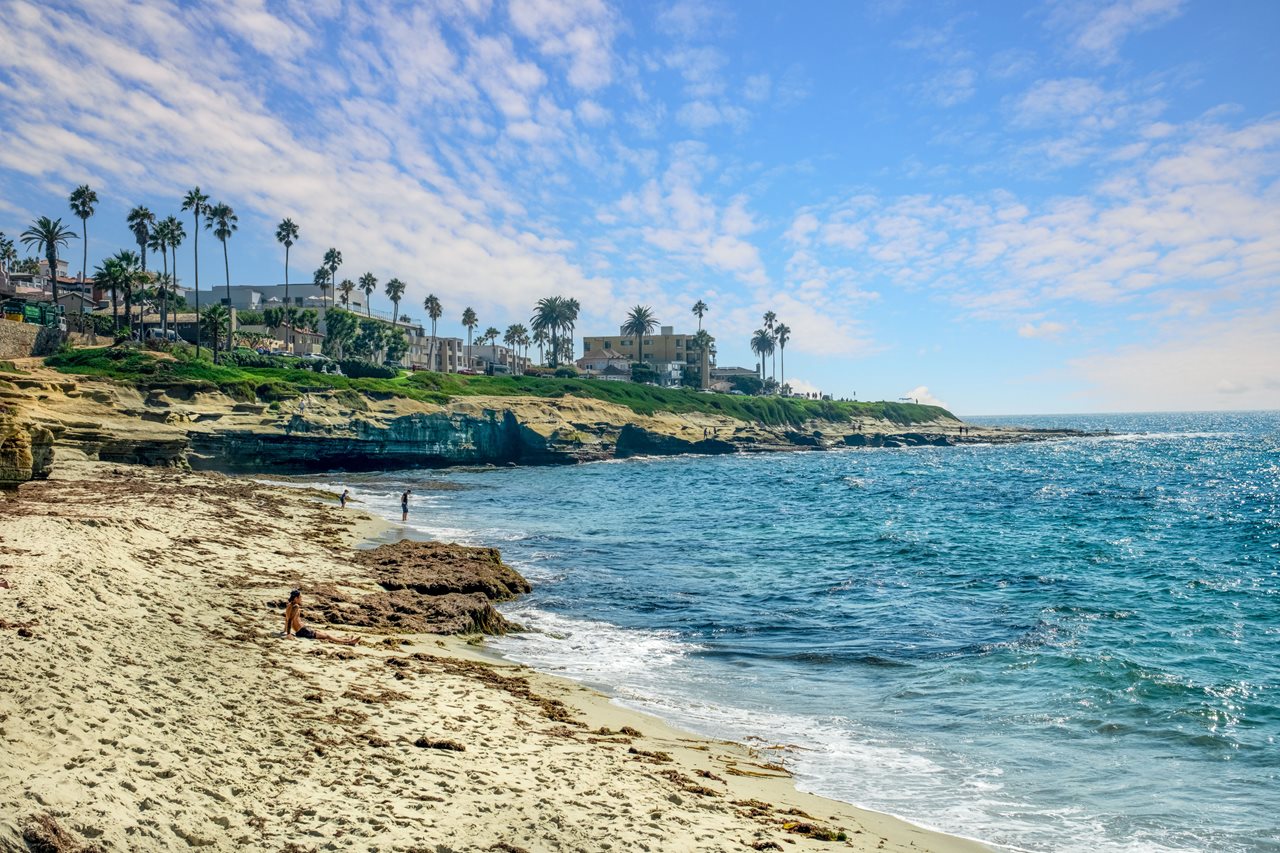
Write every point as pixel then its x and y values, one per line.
pixel 326 431
pixel 26 451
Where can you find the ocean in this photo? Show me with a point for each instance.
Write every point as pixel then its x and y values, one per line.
pixel 1071 645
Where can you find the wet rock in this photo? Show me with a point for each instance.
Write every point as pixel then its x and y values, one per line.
pixel 637 441
pixel 439 568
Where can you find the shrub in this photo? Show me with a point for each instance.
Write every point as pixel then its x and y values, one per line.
pixel 566 372
pixel 536 370
pixel 357 368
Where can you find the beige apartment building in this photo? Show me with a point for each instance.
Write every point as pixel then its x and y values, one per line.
pixel 663 348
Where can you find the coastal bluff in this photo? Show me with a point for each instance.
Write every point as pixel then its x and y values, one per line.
pixel 175 424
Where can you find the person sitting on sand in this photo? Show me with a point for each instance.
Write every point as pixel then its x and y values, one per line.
pixel 293 626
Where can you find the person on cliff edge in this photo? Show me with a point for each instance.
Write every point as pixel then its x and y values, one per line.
pixel 404 505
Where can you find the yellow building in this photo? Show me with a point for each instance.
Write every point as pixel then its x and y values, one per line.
pixel 661 350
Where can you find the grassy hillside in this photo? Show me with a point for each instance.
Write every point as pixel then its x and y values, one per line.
pixel 269 384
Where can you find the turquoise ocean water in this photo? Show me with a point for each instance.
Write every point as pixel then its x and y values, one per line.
pixel 1069 645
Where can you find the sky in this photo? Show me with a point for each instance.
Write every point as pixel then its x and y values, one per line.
pixel 1049 206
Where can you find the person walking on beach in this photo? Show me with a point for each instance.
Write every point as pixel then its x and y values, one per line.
pixel 342 499
pixel 404 506
pixel 293 626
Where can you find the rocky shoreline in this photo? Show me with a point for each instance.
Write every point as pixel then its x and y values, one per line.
pixel 115 422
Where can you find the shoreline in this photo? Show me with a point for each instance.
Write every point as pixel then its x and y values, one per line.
pixel 174 712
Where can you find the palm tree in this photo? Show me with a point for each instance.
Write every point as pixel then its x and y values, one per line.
pixel 469 321
pixel 491 335
pixel 7 253
pixel 640 322
pixel 783 333
pixel 196 202
pixel 216 320
pixel 83 202
pixel 286 235
pixel 434 311
pixel 159 242
pixel 321 280
pixel 701 343
pixel 394 290
pixel 46 235
pixel 513 337
pixel 332 260
pixel 762 345
pixel 141 221
pixel 346 288
pixel 223 222
pixel 540 338
pixel 110 274
pixel 128 263
pixel 368 284
pixel 699 308
pixel 770 319
pixel 176 234
pixel 553 315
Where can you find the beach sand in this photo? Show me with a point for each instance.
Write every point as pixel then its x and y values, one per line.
pixel 148 702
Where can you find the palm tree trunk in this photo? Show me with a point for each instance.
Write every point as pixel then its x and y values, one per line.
pixel 52 258
pixel 196 251
pixel 226 267
pixel 115 311
pixel 164 297
pixel 84 264
pixel 174 250
pixel 286 288
pixel 784 366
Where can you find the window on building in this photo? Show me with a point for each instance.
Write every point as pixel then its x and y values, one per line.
pixel 586 346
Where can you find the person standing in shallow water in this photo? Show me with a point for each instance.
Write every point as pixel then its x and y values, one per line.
pixel 404 506
pixel 342 499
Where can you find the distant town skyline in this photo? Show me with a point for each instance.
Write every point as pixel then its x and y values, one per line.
pixel 1060 206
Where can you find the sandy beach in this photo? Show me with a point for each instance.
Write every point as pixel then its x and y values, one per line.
pixel 148 702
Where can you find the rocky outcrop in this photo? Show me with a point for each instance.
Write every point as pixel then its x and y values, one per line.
pixel 637 441
pixel 903 439
pixel 427 588
pixel 26 451
pixel 438 568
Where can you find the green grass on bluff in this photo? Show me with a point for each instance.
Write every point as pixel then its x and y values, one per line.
pixel 145 370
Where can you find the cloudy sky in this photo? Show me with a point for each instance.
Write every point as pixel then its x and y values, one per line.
pixel 1054 206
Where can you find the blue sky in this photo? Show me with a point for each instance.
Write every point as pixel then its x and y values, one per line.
pixel 1007 207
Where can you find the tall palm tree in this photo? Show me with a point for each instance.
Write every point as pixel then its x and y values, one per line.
pixel 640 322
pixel 701 343
pixel 332 260
pixel 176 233
pixel 434 311
pixel 762 345
pixel 7 253
pixel 345 289
pixel 770 319
pixel 469 322
pixel 368 284
pixel 394 289
pixel 783 334
pixel 46 235
pixel 159 242
pixel 540 338
pixel 699 308
pixel 491 335
pixel 286 235
pixel 513 337
pixel 224 222
pixel 141 221
pixel 196 202
pixel 83 203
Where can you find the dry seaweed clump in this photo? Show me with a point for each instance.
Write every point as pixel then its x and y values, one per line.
pixel 43 834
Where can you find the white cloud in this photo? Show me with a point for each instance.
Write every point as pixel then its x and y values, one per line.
pixel 1097 28
pixel 1048 330
pixel 921 394
pixel 1230 363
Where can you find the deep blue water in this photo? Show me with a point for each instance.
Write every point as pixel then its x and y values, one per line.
pixel 1069 645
